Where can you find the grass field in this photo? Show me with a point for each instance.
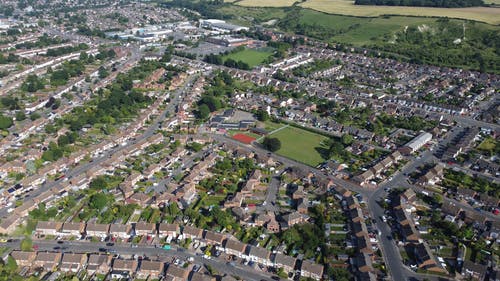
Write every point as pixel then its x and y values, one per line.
pixel 359 31
pixel 347 7
pixel 300 145
pixel 251 56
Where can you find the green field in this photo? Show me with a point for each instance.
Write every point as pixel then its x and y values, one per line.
pixel 300 145
pixel 252 57
pixel 347 7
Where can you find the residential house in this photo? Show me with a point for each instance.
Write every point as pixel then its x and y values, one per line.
pixel 214 238
pixel 125 265
pixel 196 276
pixel 235 248
pixel 23 258
pixel 293 218
pixel 47 260
pixel 145 229
pixel 48 228
pixel 73 229
pixel 259 255
pixel 99 264
pixel 72 262
pixel 192 232
pixel 474 271
pixel 168 230
pixel 425 259
pixel 311 270
pixel 178 274
pixel 359 229
pixel 97 230
pixel 285 262
pixel 364 263
pixel 150 269
pixel 121 231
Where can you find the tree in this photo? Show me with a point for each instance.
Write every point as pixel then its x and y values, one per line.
pixel 203 111
pixel 103 73
pixel 262 115
pixel 271 144
pixel 347 139
pixel 98 201
pixel 20 116
pixel 5 122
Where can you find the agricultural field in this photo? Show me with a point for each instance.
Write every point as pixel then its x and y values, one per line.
pixel 300 145
pixel 347 7
pixel 252 57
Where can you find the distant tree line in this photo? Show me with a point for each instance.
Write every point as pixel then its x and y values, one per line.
pixel 423 3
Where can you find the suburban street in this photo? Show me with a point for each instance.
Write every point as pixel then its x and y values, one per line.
pixel 146 250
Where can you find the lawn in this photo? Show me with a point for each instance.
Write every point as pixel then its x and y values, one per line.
pixel 489 144
pixel 252 57
pixel 300 145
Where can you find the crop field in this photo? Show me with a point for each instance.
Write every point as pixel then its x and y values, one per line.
pixel 251 56
pixel 347 7
pixel 300 145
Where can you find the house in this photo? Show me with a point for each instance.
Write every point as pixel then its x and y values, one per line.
pixel 192 232
pixel 259 255
pixel 125 265
pixel 293 218
pixel 99 264
pixel 97 230
pixel 72 262
pixel 47 260
pixel 474 271
pixel 409 195
pixel 359 229
pixel 145 228
pixel 23 258
pixel 425 259
pixel 73 229
pixel 311 270
pixel 121 231
pixel 168 230
pixel 213 238
pixel 48 228
pixel 351 202
pixel 235 248
pixel 196 276
pixel 285 262
pixel 364 244
pixel 151 269
pixel 272 225
pixel 178 274
pixel 364 263
pixel 9 224
pixel 120 275
pixel 450 208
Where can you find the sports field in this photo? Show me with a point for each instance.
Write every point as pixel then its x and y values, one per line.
pixel 300 145
pixel 347 7
pixel 251 56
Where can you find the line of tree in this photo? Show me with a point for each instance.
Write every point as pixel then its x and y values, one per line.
pixel 423 3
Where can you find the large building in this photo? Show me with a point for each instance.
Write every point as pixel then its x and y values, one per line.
pixel 221 25
pixel 229 41
pixel 416 143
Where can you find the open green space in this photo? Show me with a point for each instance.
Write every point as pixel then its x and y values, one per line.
pixel 252 57
pixel 300 145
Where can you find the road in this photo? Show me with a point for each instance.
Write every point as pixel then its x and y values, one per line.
pixel 150 251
